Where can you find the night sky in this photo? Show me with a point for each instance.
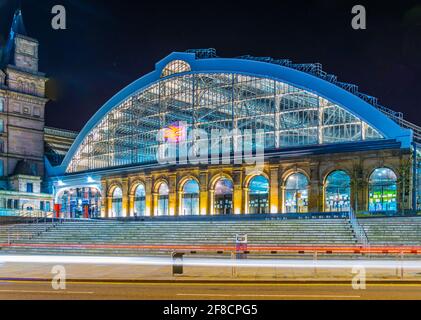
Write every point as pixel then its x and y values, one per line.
pixel 108 44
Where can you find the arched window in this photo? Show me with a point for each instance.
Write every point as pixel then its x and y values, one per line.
pixel 223 196
pixel 337 192
pixel 382 190
pixel 190 203
pixel 258 195
pixel 163 193
pixel 176 66
pixel 296 193
pixel 117 202
pixel 140 201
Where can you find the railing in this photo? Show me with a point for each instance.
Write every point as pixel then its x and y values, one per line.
pixel 25 213
pixel 43 223
pixel 358 229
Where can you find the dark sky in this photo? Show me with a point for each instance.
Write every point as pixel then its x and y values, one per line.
pixel 108 44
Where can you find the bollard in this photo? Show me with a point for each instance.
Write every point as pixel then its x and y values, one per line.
pixel 315 263
pixel 402 272
pixel 233 269
pixel 177 266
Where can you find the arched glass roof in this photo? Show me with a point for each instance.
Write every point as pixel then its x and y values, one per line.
pixel 293 108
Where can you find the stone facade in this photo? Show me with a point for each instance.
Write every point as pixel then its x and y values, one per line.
pixel 22 118
pixel 358 165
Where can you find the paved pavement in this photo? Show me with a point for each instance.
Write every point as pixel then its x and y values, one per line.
pixel 144 268
pixel 206 291
pixel 29 277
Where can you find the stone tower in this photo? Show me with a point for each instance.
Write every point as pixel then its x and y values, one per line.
pixel 22 105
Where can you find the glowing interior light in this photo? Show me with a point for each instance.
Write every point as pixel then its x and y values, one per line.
pixel 60 183
pixel 175 133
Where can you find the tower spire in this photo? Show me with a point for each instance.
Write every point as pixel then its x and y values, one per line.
pixel 17 24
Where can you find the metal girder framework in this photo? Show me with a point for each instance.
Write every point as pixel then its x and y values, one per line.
pixel 289 116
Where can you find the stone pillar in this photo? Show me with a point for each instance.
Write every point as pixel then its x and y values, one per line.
pixel 148 197
pixel 281 191
pixel 109 207
pixel 104 199
pixel 155 204
pixel 211 202
pixel 131 205
pixel 274 190
pixel 246 209
pixel 180 203
pixel 204 199
pixel 363 197
pixel 172 196
pixel 314 203
pixel 238 192
pixel 125 201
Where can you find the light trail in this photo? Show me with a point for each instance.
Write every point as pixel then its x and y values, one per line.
pixel 217 262
pixel 414 250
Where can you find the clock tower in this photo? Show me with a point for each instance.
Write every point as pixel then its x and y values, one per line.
pixel 22 109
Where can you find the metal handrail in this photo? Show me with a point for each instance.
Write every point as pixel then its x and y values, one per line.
pixel 358 229
pixel 13 236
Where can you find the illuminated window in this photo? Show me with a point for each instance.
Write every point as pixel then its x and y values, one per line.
pixel 163 193
pixel 223 196
pixel 140 201
pixel 176 66
pixel 337 192
pixel 1 168
pixel 117 202
pixel 382 190
pixel 259 195
pixel 190 198
pixel 296 193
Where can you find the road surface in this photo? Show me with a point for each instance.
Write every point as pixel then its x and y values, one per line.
pixel 209 291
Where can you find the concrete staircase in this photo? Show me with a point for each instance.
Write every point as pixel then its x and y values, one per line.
pixel 393 231
pixel 263 232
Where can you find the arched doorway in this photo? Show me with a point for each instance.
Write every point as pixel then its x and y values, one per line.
pixel 337 192
pixel 296 193
pixel 139 201
pixel 190 202
pixel 382 192
pixel 117 203
pixel 258 195
pixel 163 193
pixel 223 196
pixel 78 202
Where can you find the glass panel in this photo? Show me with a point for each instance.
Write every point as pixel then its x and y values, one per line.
pixel 259 195
pixel 176 66
pixel 117 203
pixel 418 159
pixel 337 192
pixel 140 201
pixel 163 200
pixel 223 196
pixel 215 102
pixel 382 190
pixel 190 198
pixel 296 193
